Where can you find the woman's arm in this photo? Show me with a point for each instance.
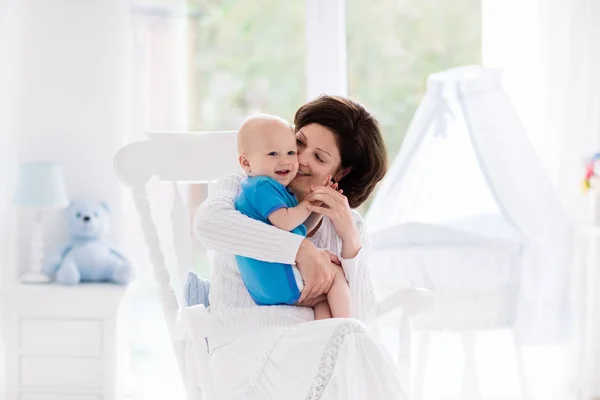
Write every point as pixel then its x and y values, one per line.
pixel 334 205
pixel 219 226
pixel 358 273
pixel 353 244
pixel 312 221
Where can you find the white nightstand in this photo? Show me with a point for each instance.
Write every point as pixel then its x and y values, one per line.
pixel 60 342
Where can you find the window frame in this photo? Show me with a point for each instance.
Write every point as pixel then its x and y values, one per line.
pixel 326 48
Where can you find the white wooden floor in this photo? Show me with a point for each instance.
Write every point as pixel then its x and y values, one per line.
pixel 549 371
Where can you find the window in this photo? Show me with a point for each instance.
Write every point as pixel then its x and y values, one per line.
pixel 393 45
pixel 244 57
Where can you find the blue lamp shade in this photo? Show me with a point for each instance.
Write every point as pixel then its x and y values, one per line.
pixel 40 185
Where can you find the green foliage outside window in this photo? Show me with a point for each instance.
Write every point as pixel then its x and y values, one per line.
pixel 249 56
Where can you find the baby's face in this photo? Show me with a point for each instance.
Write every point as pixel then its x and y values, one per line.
pixel 273 153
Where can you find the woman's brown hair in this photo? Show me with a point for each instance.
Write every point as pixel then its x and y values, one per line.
pixel 358 137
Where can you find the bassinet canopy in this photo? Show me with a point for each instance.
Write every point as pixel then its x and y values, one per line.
pixel 468 211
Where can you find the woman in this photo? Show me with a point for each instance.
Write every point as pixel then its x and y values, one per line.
pixel 279 352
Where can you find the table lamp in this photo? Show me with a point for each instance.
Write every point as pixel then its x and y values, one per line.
pixel 40 186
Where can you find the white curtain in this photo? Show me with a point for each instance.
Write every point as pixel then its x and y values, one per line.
pixel 8 139
pixel 158 103
pixel 158 97
pixel 525 195
pixel 548 50
pixel 551 57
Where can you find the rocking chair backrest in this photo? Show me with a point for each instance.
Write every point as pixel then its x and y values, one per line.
pixel 177 157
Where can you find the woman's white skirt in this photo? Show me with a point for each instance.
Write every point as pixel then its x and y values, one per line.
pixel 333 359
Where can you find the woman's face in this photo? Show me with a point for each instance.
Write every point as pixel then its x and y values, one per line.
pixel 318 156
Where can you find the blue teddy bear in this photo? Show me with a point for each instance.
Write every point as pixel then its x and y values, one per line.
pixel 87 257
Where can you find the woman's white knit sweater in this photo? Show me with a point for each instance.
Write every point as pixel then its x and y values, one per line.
pixel 226 232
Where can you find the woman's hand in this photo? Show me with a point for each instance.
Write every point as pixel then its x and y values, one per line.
pixel 334 205
pixel 312 302
pixel 317 268
pixel 335 263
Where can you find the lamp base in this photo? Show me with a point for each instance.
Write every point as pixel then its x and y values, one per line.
pixel 34 277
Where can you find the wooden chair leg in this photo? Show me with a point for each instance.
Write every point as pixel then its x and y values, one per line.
pixel 421 367
pixel 523 382
pixel 470 386
pixel 470 382
pixel 404 338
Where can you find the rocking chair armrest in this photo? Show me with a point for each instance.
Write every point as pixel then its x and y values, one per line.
pixel 192 320
pixel 412 300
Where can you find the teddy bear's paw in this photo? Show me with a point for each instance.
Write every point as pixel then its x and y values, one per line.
pixel 68 276
pixel 122 275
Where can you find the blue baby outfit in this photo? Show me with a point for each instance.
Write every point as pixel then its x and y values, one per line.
pixel 268 283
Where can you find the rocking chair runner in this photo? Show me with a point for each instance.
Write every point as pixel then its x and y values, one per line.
pixel 204 158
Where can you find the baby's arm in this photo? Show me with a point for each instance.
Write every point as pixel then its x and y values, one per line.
pixel 289 218
pixel 297 215
pixel 312 221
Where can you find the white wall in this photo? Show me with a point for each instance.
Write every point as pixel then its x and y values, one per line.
pixel 72 104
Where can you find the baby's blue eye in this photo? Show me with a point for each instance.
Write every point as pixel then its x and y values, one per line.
pixel 273 153
pixel 291 153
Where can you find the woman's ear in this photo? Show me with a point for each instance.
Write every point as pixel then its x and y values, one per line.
pixel 244 162
pixel 342 173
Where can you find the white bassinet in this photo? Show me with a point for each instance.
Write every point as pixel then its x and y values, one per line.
pixel 468 212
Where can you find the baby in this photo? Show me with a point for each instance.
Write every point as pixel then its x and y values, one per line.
pixel 267 152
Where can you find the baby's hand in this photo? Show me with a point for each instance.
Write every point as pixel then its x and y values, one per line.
pixel 331 183
pixel 327 182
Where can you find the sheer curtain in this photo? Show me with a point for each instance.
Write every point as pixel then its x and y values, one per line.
pixel 549 52
pixel 8 139
pixel 158 103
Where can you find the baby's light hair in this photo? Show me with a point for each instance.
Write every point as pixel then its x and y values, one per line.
pixel 253 121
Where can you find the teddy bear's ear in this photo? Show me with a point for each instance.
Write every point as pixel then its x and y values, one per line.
pixel 105 205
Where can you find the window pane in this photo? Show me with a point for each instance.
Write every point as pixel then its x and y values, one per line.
pixel 394 44
pixel 245 57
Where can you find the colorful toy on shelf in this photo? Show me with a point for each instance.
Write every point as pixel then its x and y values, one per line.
pixel 591 179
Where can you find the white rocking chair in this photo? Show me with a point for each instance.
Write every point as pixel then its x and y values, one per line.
pixel 204 158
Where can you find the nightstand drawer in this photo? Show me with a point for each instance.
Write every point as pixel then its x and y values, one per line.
pixel 44 396
pixel 64 372
pixel 61 337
